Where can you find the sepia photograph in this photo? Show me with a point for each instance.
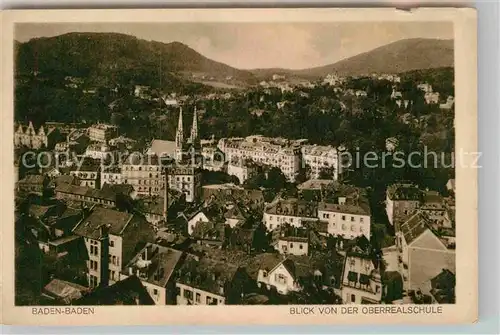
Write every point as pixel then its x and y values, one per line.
pixel 309 163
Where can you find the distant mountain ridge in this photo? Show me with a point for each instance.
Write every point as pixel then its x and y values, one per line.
pixel 397 57
pixel 100 55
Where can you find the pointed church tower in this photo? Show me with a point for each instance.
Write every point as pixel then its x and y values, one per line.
pixel 179 139
pixel 194 128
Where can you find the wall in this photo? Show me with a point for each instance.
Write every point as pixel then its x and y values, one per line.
pixel 352 226
pixel 202 294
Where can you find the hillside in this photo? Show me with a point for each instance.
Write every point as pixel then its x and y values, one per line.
pixel 98 56
pixel 400 56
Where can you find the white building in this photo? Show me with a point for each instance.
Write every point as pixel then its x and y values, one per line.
pixel 349 220
pixel 102 132
pixel 144 173
pixel 100 151
pixel 109 237
pixel 274 152
pixel 242 169
pixel 294 212
pixel 112 176
pixel 155 266
pixel 361 281
pixel 320 158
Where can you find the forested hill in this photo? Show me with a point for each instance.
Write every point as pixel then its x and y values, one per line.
pixel 103 57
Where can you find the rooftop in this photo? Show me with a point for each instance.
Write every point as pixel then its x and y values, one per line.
pixel 107 194
pixel 115 221
pixel 294 207
pixel 404 192
pixel 154 264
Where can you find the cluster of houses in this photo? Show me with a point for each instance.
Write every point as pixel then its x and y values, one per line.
pixel 148 231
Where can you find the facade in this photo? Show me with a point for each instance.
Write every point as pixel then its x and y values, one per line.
pixel 401 201
pixel 155 266
pixel 100 151
pixel 89 174
pixel 32 184
pixel 186 180
pixel 242 169
pixel 144 173
pixel 361 281
pixel 102 132
pixel 291 211
pixel 208 282
pixel 110 238
pixel 321 158
pixel 417 244
pixel 292 245
pixel 86 195
pixel 279 153
pixel 112 176
pixel 28 137
pixel 349 220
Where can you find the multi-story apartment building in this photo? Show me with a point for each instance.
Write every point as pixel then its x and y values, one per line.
pixel 111 238
pixel 187 180
pixel 344 219
pixel 112 176
pixel 100 151
pixel 361 281
pixel 102 132
pixel 321 158
pixel 89 173
pixel 280 153
pixel 144 173
pixel 242 169
pixel 294 212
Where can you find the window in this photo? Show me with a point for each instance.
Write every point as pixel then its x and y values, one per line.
pixel 155 291
pixel 209 300
pixel 343 217
pixel 353 298
pixel 280 278
pixel 291 245
pixel 264 274
pixel 271 226
pixel 271 218
pixel 177 291
pixel 377 289
pixel 326 216
pixel 353 227
pixel 301 246
pixel 352 218
pixel 361 220
pixel 114 260
pixel 215 301
pixel 198 297
pixel 111 243
pixel 188 294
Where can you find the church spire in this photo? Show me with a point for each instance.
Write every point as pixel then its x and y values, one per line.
pixel 194 128
pixel 179 136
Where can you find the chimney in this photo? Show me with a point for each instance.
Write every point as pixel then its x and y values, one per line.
pixel 104 230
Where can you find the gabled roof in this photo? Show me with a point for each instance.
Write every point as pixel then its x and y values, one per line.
pixel 414 227
pixel 115 221
pixel 155 264
pixel 294 207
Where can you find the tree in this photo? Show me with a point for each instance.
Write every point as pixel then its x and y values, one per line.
pixel 276 179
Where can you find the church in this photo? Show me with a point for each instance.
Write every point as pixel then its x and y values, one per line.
pixel 185 175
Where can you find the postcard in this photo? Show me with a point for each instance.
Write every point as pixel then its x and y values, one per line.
pixel 239 166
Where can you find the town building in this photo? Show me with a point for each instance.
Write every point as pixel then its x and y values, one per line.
pixel 85 195
pixel 450 102
pixel 422 254
pixel 155 266
pixel 102 132
pixel 361 280
pixel 187 180
pixel 89 173
pixel 110 239
pixel 111 175
pixel 294 212
pixel 322 160
pixel 28 137
pixel 291 241
pixel 401 201
pixel 144 173
pixel 283 154
pixel 101 151
pixel 242 169
pixel 33 183
pixel 209 282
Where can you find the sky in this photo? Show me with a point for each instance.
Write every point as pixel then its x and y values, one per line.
pixel 260 45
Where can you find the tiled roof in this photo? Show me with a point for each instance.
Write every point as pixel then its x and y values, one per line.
pixel 33 179
pixel 414 227
pixel 206 274
pixel 104 194
pixel 362 208
pixel 115 220
pixel 154 264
